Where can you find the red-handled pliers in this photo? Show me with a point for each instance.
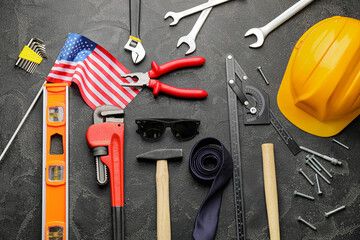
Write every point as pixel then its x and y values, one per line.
pixel 146 79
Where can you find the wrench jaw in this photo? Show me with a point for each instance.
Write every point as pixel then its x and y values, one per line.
pixel 137 50
pixel 259 35
pixel 190 42
pixel 174 16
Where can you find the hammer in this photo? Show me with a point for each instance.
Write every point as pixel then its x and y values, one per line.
pixel 162 156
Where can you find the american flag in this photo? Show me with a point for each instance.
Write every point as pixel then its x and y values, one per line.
pixel 94 70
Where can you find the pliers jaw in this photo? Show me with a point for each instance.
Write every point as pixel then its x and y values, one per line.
pixel 137 50
pixel 142 79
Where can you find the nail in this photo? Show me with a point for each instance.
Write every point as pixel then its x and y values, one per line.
pixel 327 214
pixel 263 75
pixel 306 177
pixel 322 176
pixel 306 223
pixel 318 184
pixel 320 165
pixel 296 193
pixel 341 144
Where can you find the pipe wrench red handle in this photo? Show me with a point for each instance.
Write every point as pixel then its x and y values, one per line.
pixel 107 141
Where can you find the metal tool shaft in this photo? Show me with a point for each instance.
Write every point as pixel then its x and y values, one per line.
pixel 22 122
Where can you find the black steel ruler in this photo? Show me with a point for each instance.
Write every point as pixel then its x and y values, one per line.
pixel 285 135
pixel 256 110
pixel 235 152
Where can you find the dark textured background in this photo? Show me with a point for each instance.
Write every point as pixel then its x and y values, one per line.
pixel 107 23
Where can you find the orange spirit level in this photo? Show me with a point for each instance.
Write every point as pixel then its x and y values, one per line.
pixel 55 188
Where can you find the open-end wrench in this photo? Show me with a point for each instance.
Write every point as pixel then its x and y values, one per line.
pixel 262 32
pixel 177 16
pixel 190 38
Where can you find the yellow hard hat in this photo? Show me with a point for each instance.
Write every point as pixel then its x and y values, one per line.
pixel 320 91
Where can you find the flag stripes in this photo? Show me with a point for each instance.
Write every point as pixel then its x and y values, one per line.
pixel 98 77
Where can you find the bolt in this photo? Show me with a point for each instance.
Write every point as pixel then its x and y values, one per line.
pixel 306 177
pixel 319 164
pixel 245 77
pixel 341 144
pixel 313 163
pixel 318 184
pixel 252 110
pixel 306 223
pixel 231 81
pixel 327 214
pixel 246 103
pixel 229 57
pixel 322 176
pixel 333 161
pixel 296 193
pixel 263 75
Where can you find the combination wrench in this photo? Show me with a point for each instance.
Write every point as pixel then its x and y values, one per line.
pixel 262 32
pixel 190 38
pixel 177 16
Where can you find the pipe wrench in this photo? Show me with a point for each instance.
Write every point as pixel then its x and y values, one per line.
pixel 106 138
pixel 134 44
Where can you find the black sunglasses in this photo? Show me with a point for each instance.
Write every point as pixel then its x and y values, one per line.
pixel 153 128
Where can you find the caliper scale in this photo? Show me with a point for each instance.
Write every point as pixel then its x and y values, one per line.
pixel 256 111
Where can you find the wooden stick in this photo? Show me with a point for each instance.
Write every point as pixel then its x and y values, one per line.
pixel 163 203
pixel 271 190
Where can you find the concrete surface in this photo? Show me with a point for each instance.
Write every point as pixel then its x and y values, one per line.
pixel 107 23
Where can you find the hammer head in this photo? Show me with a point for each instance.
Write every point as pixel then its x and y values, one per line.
pixel 161 154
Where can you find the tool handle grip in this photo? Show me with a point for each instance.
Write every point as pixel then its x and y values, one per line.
pixel 157 87
pixel 118 223
pixel 135 18
pixel 163 202
pixel 158 70
pixel 271 197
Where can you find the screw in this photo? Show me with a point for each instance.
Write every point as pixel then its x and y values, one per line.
pixel 313 163
pixel 229 57
pixel 333 161
pixel 322 176
pixel 318 184
pixel 306 177
pixel 323 168
pixel 245 77
pixel 263 75
pixel 341 144
pixel 296 193
pixel 231 81
pixel 306 223
pixel 327 214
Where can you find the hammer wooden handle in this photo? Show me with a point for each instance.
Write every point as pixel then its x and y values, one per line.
pixel 271 197
pixel 163 205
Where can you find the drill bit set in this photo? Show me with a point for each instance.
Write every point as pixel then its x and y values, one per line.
pixel 31 55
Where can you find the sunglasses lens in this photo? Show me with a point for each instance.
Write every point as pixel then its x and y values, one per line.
pixel 150 130
pixel 184 130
